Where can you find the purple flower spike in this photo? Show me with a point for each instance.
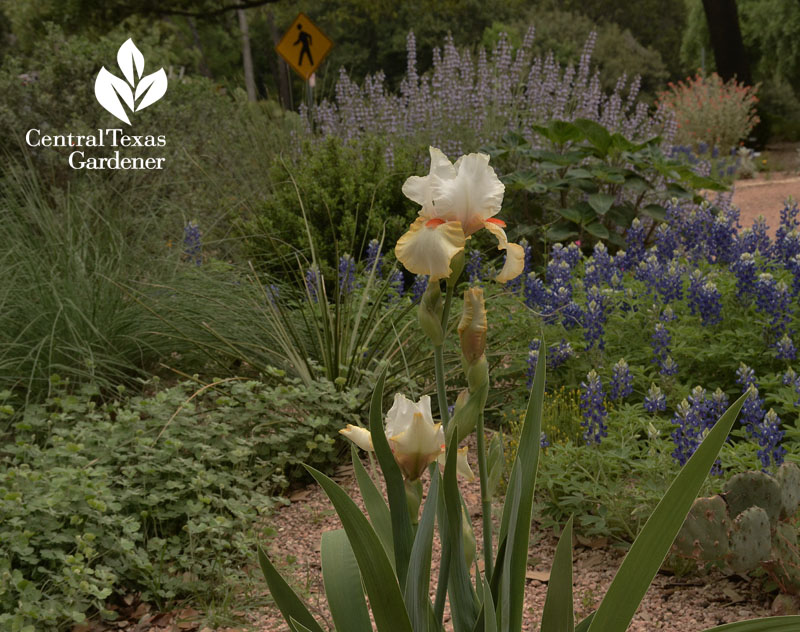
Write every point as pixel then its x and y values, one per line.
pixel 621 381
pixel 655 401
pixel 593 409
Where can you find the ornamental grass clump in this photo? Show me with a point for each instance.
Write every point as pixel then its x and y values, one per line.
pixel 711 111
pixel 383 557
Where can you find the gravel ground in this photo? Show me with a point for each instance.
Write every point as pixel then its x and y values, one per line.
pixel 673 604
pixel 765 197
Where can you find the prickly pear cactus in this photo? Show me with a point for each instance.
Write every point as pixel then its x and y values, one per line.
pixel 750 539
pixel 763 533
pixel 704 535
pixel 753 489
pixel 788 477
pixel 784 567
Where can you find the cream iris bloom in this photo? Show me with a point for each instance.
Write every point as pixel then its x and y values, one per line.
pixel 457 200
pixel 416 441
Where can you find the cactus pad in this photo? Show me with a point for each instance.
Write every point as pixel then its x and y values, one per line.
pixel 750 489
pixel 704 534
pixel 788 477
pixel 750 539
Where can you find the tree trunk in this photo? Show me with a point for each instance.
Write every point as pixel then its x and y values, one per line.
pixel 726 40
pixel 247 57
pixel 279 69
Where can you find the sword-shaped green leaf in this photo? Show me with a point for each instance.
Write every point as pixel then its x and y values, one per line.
pixel 385 597
pixel 419 568
pixel 376 506
pixel 298 627
pixel 290 605
pixel 583 626
pixel 518 507
pixel 558 615
pixel 463 606
pixel 652 545
pixel 342 581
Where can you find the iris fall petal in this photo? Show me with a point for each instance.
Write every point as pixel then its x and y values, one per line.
pixel 428 247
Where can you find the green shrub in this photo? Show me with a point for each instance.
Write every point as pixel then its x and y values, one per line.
pixel 159 494
pixel 577 180
pixel 348 193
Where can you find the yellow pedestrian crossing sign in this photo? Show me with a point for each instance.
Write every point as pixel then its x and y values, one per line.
pixel 304 46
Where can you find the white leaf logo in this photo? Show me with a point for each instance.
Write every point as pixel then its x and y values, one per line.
pixel 112 92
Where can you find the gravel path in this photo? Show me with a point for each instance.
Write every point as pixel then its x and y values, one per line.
pixel 765 197
pixel 672 604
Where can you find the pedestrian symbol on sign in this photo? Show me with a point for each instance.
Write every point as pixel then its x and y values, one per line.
pixel 304 39
pixel 304 46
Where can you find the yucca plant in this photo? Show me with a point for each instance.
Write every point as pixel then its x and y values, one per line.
pixel 290 316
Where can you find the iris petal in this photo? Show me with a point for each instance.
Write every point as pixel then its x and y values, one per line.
pixel 472 197
pixel 429 249
pixel 360 436
pixel 420 188
pixel 515 254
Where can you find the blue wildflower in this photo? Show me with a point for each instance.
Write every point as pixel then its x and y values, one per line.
pixel 756 239
pixel 770 434
pixel 312 282
pixel 745 270
pixel 535 293
pixel 722 238
pixel 475 267
pixel 745 376
pixel 670 284
pixel 347 274
pixel 667 315
pixel 396 283
pixel 533 359
pixel 704 299
pixel 693 419
pixel 594 318
pixel 374 258
pixel 418 287
pixel 655 400
pixel 593 409
pixel 571 315
pixel 621 381
pixel 793 266
pixel 558 354
pixel 774 300
pixel 786 236
pixel 193 243
pixel 543 442
pixel 785 349
pixel 660 341
pixel 790 378
pixel 666 242
pixel 634 243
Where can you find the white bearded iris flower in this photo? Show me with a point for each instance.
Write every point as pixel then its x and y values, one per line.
pixel 457 201
pixel 415 440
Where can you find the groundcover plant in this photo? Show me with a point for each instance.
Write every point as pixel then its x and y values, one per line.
pixel 386 556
